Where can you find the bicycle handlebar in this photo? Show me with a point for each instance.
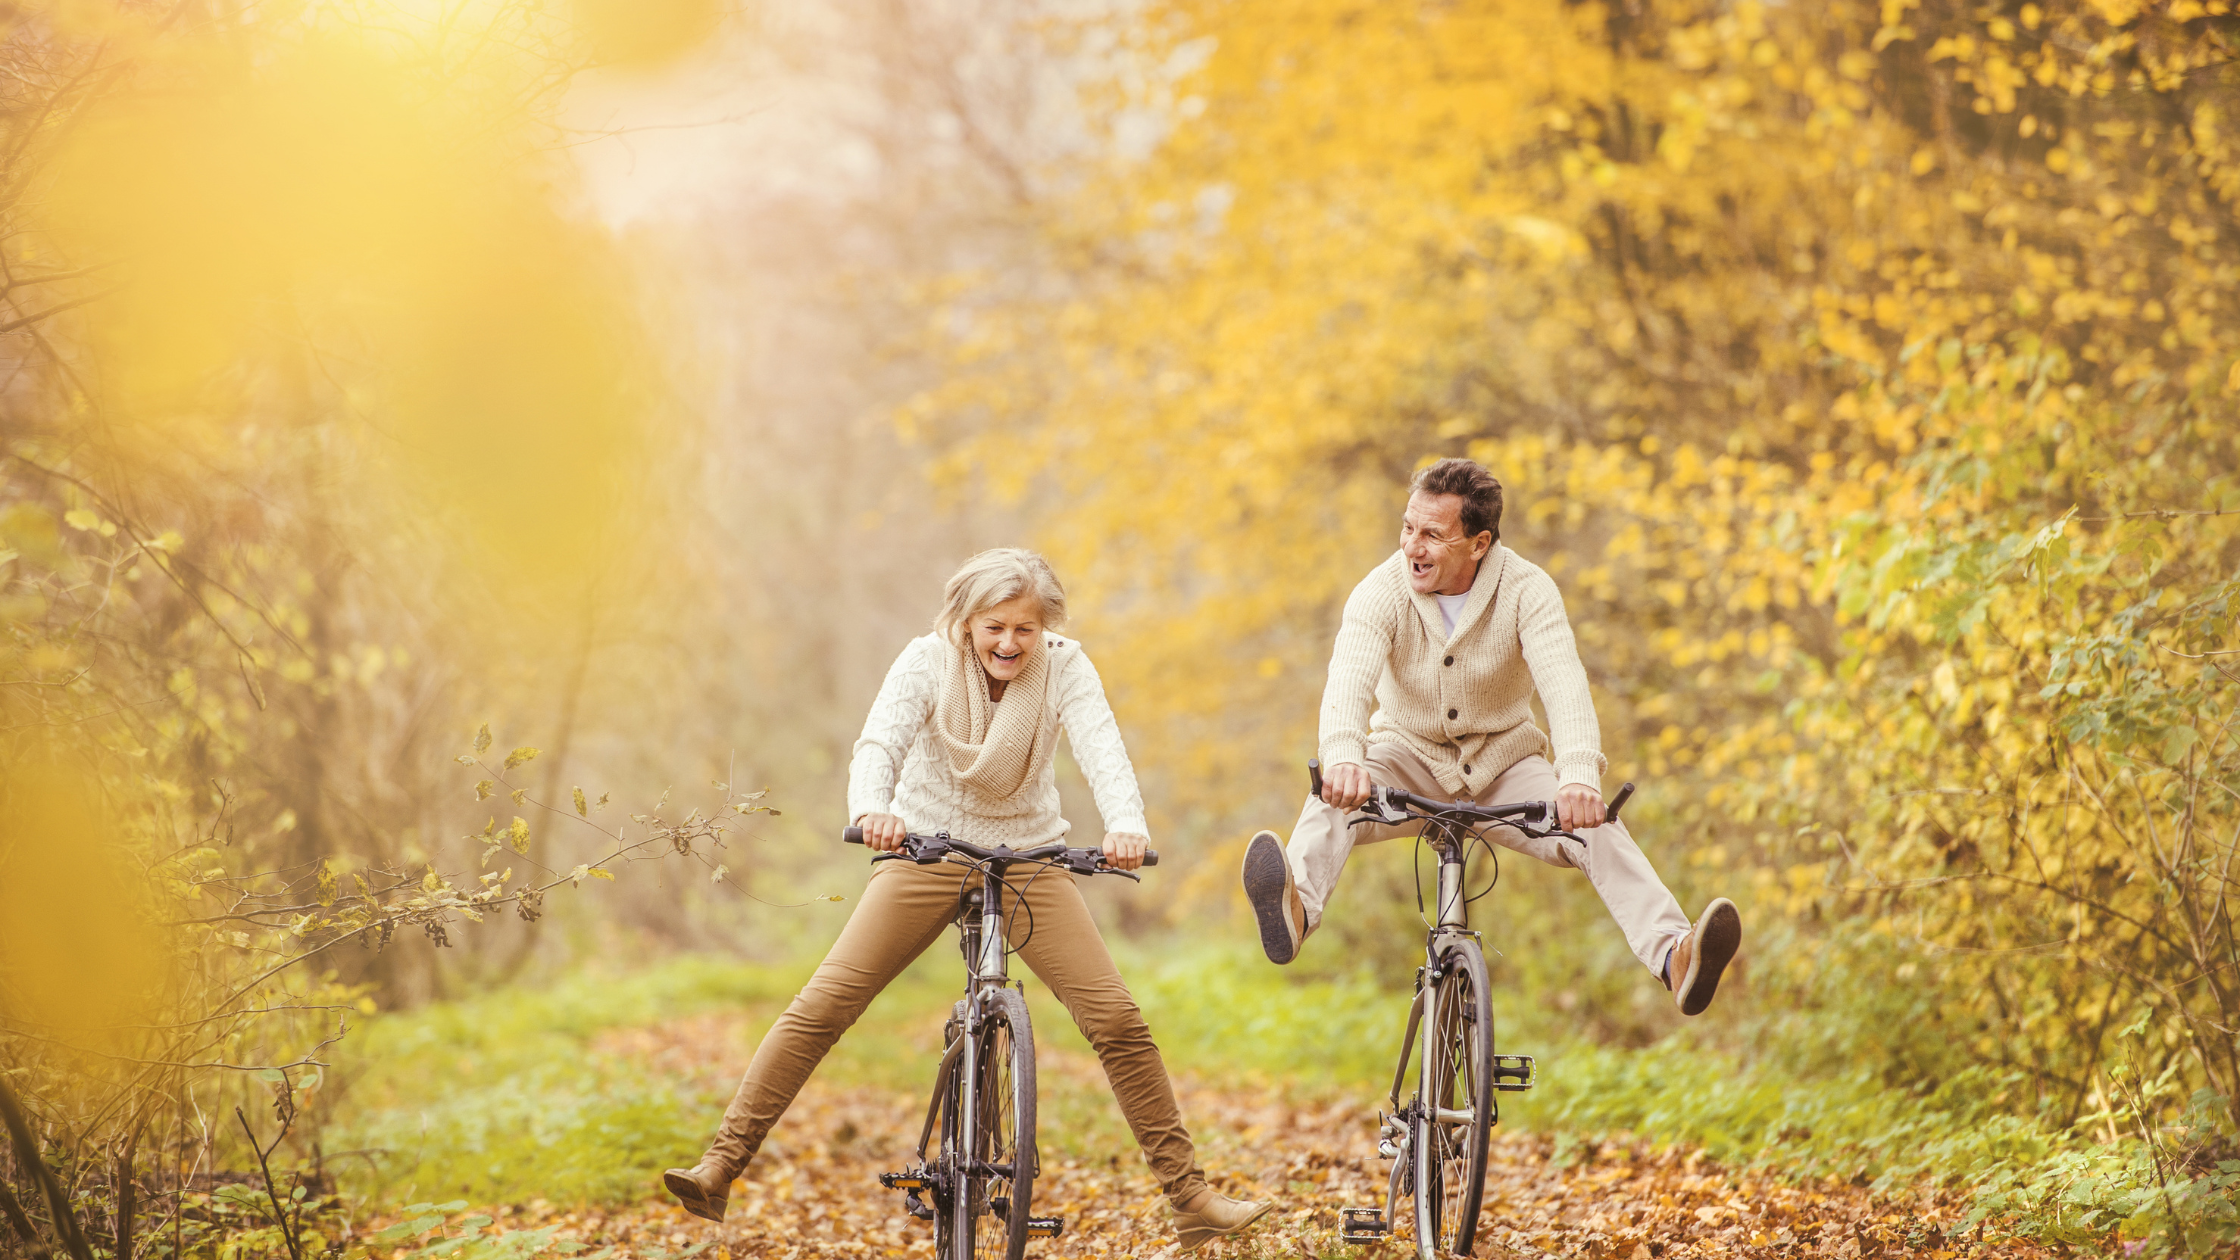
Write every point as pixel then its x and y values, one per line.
pixel 929 850
pixel 1536 817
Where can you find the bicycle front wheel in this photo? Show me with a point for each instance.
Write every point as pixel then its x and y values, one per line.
pixel 1458 1109
pixel 997 1166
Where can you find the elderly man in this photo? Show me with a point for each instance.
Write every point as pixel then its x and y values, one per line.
pixel 1450 637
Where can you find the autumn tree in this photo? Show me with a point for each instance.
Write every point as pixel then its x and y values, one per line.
pixel 1863 372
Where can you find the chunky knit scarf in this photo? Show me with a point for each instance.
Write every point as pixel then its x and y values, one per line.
pixel 996 751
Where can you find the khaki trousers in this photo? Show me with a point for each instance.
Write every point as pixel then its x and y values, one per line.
pixel 1646 912
pixel 906 908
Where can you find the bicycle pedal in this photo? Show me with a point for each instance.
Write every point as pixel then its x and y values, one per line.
pixel 912 1184
pixel 1514 1072
pixel 1045 1226
pixel 1362 1225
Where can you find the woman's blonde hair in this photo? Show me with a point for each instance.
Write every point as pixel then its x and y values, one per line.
pixel 993 577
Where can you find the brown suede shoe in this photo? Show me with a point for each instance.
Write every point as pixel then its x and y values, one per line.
pixel 697 1189
pixel 1275 903
pixel 1700 958
pixel 1212 1216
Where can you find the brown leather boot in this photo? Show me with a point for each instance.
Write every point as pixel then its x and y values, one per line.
pixel 1209 1216
pixel 699 1189
pixel 1696 963
pixel 1275 902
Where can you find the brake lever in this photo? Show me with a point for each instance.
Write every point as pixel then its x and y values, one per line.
pixel 1378 808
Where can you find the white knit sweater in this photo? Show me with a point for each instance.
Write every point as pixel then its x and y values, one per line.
pixel 1463 703
pixel 898 767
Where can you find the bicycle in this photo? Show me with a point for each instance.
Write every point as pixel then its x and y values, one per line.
pixel 981 1176
pixel 1437 1142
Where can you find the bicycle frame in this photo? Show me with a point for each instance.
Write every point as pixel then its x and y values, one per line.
pixel 1414 1135
pixel 960 1164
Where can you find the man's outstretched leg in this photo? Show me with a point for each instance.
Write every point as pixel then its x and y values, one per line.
pixel 1688 958
pixel 1288 885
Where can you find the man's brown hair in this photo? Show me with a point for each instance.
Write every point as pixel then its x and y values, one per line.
pixel 1468 480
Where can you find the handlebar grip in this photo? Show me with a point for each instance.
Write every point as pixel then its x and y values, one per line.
pixel 1314 776
pixel 1150 857
pixel 851 835
pixel 1617 803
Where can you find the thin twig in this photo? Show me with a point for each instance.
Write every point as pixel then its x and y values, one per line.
pixel 279 1215
pixel 56 309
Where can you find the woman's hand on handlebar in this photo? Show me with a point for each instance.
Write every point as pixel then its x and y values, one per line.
pixel 1123 850
pixel 1346 786
pixel 883 832
pixel 1578 807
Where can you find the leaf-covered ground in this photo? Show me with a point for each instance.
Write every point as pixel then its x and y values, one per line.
pixel 814 1192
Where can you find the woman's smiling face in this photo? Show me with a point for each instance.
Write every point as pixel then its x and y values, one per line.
pixel 1002 636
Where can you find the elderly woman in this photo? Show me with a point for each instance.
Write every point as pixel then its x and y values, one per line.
pixel 962 739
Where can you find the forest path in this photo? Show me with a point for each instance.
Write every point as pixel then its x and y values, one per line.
pixel 814 1190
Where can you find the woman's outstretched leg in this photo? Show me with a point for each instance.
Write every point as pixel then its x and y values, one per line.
pixel 903 910
pixel 1068 952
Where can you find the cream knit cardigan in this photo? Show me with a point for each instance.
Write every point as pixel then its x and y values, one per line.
pixel 1462 704
pixel 900 768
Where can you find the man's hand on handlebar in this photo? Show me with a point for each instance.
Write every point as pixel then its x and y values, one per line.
pixel 1578 807
pixel 1123 850
pixel 1346 786
pixel 883 832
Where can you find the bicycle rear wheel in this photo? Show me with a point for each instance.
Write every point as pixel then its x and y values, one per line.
pixel 996 1160
pixel 1457 1119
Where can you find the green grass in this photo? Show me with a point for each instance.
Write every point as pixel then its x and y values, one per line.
pixel 499 1098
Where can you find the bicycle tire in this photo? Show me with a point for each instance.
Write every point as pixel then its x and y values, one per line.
pixel 950 1090
pixel 1450 1154
pixel 989 1210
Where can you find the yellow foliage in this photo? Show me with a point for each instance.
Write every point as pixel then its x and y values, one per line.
pixel 303 326
pixel 77 952
pixel 360 215
pixel 1794 333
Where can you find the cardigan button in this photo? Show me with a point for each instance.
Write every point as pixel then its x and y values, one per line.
pixel 1450 660
pixel 1452 714
pixel 1466 767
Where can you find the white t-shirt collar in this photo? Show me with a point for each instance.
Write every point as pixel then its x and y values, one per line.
pixel 1450 607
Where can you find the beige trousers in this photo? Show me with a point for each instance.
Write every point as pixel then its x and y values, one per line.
pixel 1646 912
pixel 905 908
